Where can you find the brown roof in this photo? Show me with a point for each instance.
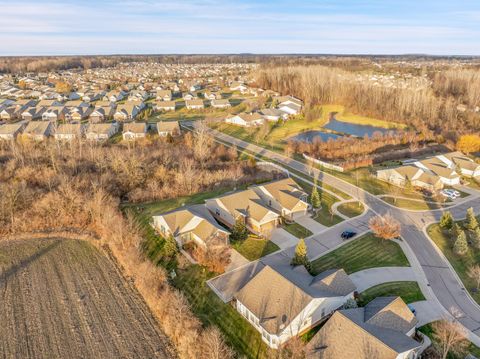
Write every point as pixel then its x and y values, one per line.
pixel 194 102
pixel 37 127
pixel 376 331
pixel 135 127
pixel 286 191
pixel 168 126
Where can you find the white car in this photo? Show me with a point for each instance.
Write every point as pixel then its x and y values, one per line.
pixel 450 193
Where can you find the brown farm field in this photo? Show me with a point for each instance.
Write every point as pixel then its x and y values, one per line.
pixel 63 298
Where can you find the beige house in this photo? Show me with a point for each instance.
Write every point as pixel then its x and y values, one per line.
pixel 134 130
pixel 11 131
pixel 285 197
pixel 282 301
pixel 247 206
pixel 220 103
pixel 33 113
pixel 101 131
pixel 382 329
pixel 69 131
pixel 194 104
pixel 414 175
pixel 165 128
pixel 463 164
pixel 101 114
pixel 246 119
pixel 164 95
pixel 39 130
pixel 165 106
pixel 126 112
pixel 193 223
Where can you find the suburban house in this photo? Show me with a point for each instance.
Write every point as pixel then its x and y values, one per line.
pixel 69 131
pixel 284 196
pixel 188 96
pixel 245 119
pixel 247 206
pixel 49 103
pixel 273 114
pixel 39 130
pixel 432 173
pixel 282 301
pixel 238 86
pixel 53 113
pixel 220 103
pixel 164 95
pixel 212 95
pixel 289 104
pixel 33 113
pixel 126 112
pixel 101 114
pixel 165 128
pixel 401 176
pixel 114 96
pixel 77 114
pixel 101 131
pixel 382 329
pixel 164 106
pixel 194 104
pixel 134 130
pixel 463 164
pixel 11 131
pixel 193 223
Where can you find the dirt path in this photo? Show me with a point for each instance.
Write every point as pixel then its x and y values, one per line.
pixel 62 298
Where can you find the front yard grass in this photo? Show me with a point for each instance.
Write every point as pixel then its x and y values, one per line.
pixel 351 209
pixel 297 230
pixel 461 264
pixel 409 291
pixel 365 252
pixel 254 248
pixel 412 204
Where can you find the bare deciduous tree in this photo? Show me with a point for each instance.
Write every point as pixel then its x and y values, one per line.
pixel 385 227
pixel 474 274
pixel 449 337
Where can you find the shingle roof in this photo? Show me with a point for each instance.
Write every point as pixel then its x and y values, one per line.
pixel 376 331
pixel 37 127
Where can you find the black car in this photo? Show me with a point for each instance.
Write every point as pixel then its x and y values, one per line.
pixel 348 234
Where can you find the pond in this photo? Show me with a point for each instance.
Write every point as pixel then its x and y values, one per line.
pixel 354 129
pixel 309 136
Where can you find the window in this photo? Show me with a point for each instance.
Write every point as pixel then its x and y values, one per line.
pixel 217 212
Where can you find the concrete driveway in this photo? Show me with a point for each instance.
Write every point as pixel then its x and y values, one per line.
pixel 237 260
pixel 310 224
pixel 427 311
pixel 283 239
pixel 368 278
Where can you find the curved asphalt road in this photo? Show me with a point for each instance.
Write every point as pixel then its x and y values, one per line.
pixel 442 279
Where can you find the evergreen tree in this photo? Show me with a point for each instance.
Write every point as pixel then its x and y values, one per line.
pixel 471 222
pixel 476 238
pixel 446 222
pixel 315 197
pixel 461 246
pixel 170 247
pixel 239 231
pixel 300 257
pixel 456 230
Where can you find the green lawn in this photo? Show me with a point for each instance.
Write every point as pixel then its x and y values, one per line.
pixel 409 291
pixel 362 253
pixel 351 209
pixel 208 307
pixel 461 264
pixel 412 204
pixel 254 248
pixel 297 230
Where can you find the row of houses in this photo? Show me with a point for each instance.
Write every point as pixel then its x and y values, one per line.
pixel 285 106
pixel 433 173
pixel 261 207
pixel 41 130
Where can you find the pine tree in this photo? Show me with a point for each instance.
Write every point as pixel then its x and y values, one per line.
pixel 476 238
pixel 239 231
pixel 300 257
pixel 446 222
pixel 170 247
pixel 471 222
pixel 315 197
pixel 456 230
pixel 461 246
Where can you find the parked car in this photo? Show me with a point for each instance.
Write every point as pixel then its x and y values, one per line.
pixel 348 234
pixel 450 193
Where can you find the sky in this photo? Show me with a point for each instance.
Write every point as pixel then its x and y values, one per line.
pixel 68 27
